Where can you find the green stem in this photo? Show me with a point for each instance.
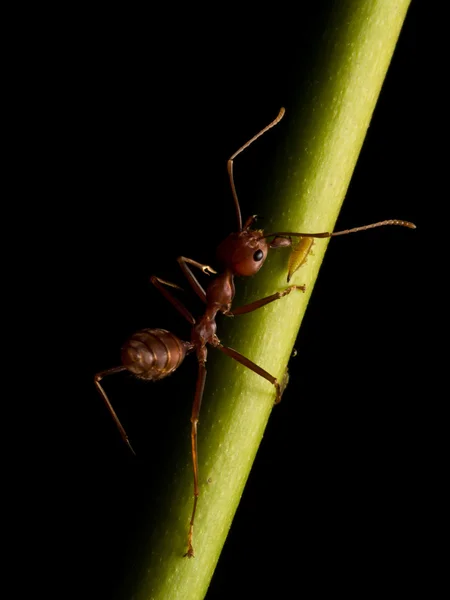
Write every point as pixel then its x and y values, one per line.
pixel 325 132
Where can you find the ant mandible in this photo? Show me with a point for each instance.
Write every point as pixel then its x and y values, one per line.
pixel 153 354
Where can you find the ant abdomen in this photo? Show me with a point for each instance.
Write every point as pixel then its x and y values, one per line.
pixel 152 354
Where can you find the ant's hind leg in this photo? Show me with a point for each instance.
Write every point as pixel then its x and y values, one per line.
pixel 112 412
pixel 201 378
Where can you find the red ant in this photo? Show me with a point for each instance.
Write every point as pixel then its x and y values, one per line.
pixel 152 354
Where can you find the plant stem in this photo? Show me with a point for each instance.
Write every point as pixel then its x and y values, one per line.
pixel 325 132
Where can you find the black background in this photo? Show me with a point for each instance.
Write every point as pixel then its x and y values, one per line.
pixel 148 110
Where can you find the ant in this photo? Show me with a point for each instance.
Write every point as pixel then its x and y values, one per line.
pixel 153 354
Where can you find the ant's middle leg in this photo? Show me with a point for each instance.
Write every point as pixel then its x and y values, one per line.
pixel 159 284
pixel 255 368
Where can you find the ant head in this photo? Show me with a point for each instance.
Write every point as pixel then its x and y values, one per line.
pixel 243 253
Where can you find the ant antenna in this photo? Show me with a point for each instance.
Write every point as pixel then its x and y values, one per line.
pixel 241 149
pixel 327 234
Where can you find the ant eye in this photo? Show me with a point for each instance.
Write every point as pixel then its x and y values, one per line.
pixel 259 254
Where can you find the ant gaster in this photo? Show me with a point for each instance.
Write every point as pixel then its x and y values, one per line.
pixel 153 354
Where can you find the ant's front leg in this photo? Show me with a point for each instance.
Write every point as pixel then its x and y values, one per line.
pixel 193 281
pixel 240 310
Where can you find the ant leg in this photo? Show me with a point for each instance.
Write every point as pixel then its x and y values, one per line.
pixel 192 279
pixel 255 368
pixel 194 420
pixel 159 284
pixel 207 270
pixel 240 310
pixel 112 412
